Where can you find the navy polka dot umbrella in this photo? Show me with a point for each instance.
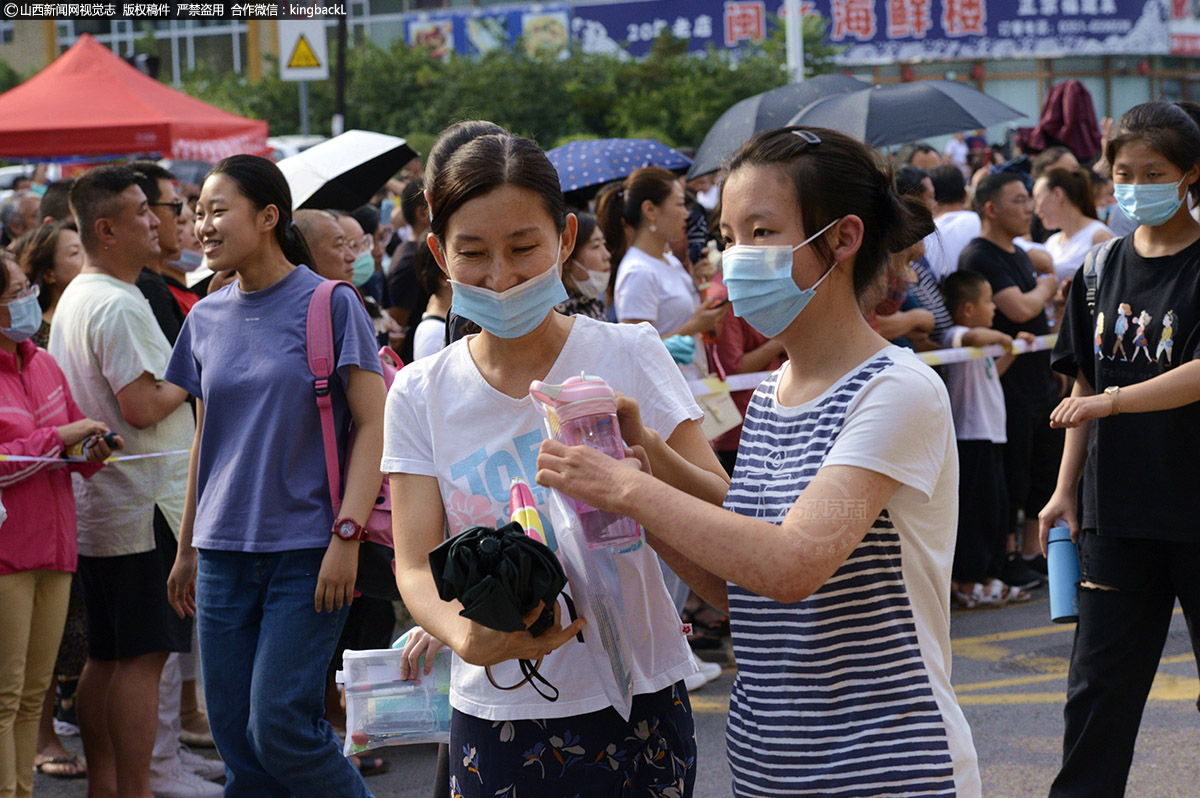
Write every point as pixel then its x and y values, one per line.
pixel 592 163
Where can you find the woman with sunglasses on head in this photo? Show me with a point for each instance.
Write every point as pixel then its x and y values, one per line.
pixel 265 562
pixel 38 550
pixel 1131 338
pixel 834 549
pixel 461 424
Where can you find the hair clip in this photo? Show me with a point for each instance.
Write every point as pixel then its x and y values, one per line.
pixel 812 139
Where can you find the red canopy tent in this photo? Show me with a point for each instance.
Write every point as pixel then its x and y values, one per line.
pixel 90 102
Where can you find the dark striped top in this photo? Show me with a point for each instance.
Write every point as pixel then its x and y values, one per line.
pixel 847 692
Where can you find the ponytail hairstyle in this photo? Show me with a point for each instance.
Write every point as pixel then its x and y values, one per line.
pixel 622 205
pixel 837 176
pixel 261 182
pixel 1076 187
pixel 1170 129
pixel 468 162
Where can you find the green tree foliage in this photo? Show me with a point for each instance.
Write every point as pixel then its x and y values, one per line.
pixel 9 77
pixel 670 94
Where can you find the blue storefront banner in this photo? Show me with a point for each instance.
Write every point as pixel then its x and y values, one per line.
pixel 871 31
pixel 622 28
pixel 886 31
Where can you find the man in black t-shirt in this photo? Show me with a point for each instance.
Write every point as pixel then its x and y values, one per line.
pixel 159 187
pixel 407 296
pixel 1033 450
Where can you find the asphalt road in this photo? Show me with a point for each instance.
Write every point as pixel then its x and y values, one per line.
pixel 1010 674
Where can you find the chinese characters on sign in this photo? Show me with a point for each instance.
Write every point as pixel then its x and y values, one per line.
pixel 172 10
pixel 885 31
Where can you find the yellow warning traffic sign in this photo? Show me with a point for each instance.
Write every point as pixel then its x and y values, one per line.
pixel 303 49
pixel 303 56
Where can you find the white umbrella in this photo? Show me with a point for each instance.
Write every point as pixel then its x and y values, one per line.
pixel 346 171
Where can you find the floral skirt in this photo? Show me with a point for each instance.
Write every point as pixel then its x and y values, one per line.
pixel 597 755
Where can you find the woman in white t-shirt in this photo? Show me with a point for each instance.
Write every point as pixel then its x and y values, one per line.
pixel 1062 199
pixel 652 284
pixel 833 554
pixel 460 425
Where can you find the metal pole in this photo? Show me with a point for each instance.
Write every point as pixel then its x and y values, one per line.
pixel 339 98
pixel 795 40
pixel 304 108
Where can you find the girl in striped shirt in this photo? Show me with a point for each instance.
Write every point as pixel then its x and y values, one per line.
pixel 834 549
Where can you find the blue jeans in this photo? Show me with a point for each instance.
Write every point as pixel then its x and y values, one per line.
pixel 263 652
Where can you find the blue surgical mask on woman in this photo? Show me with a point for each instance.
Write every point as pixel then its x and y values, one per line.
pixel 761 287
pixel 26 318
pixel 515 312
pixel 189 260
pixel 1150 204
pixel 364 267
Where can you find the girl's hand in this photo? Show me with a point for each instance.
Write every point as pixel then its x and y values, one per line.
pixel 484 646
pixel 629 415
pixel 100 451
pixel 419 643
pixel 76 431
pixel 1029 338
pixel 335 582
pixel 587 474
pixel 1061 507
pixel 181 584
pixel 1074 410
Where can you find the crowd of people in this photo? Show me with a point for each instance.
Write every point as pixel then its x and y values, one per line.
pixel 830 532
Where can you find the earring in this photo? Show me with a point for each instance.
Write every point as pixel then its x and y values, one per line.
pixel 653 228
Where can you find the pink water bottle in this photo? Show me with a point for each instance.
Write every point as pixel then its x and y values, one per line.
pixel 583 410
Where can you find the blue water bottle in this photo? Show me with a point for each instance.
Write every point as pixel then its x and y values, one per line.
pixel 1062 561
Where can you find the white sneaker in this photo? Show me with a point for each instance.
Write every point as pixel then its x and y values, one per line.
pixel 64 729
pixel 694 681
pixel 202 766
pixel 711 670
pixel 707 671
pixel 180 783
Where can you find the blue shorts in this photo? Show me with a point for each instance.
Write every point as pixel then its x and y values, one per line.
pixel 597 755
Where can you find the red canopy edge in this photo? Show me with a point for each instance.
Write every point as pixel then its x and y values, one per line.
pixel 90 102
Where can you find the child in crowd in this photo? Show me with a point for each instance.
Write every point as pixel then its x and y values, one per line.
pixel 977 403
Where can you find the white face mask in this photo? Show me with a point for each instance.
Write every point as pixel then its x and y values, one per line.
pixel 595 286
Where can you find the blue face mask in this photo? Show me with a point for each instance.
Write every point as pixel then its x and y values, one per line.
pixel 761 287
pixel 189 260
pixel 515 312
pixel 26 316
pixel 364 267
pixel 1150 204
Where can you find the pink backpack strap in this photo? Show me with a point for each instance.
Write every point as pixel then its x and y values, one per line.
pixel 318 333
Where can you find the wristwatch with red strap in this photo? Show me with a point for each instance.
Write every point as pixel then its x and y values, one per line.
pixel 349 529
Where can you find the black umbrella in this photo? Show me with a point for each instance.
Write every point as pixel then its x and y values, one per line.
pixel 344 172
pixel 904 112
pixel 765 111
pixel 499 576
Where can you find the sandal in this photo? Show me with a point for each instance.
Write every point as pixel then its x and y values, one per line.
pixel 966 600
pixel 61 767
pixel 1004 593
pixel 991 595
